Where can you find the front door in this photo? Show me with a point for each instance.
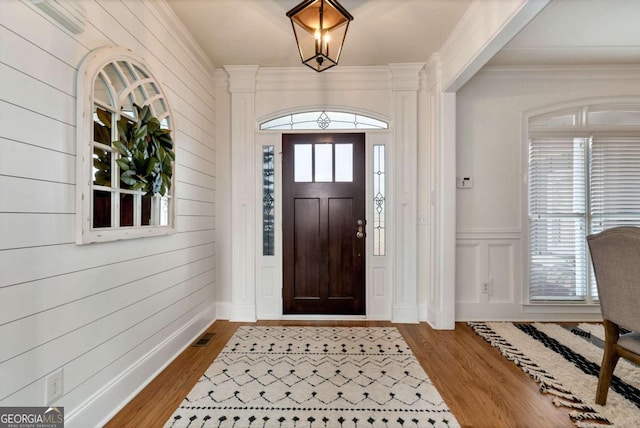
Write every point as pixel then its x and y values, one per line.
pixel 323 224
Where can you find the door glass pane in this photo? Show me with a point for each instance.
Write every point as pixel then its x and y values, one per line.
pixel 324 163
pixel 268 201
pixel 302 170
pixel 379 200
pixel 344 162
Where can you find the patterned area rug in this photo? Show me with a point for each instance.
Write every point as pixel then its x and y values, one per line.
pixel 314 377
pixel 565 361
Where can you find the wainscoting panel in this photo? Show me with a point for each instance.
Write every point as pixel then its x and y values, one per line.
pixel 468 272
pixel 488 274
pixel 501 271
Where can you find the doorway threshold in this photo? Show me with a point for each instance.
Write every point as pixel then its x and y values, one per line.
pixel 323 317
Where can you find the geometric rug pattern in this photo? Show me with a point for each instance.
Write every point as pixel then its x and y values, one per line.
pixel 313 377
pixel 565 362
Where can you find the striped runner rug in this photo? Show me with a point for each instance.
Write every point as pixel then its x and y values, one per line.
pixel 314 377
pixel 565 361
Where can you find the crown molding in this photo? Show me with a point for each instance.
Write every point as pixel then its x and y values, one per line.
pixel 406 77
pixel 582 72
pixel 335 79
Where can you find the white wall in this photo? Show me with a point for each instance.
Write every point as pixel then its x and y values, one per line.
pixel 491 224
pixel 109 314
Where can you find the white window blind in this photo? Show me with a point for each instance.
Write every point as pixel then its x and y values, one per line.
pixel 615 182
pixel 557 220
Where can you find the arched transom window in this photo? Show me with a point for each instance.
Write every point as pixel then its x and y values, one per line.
pixel 323 120
pixel 115 88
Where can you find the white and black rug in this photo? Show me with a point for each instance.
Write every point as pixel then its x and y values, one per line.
pixel 314 377
pixel 565 361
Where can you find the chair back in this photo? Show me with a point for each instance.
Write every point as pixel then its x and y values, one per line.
pixel 615 254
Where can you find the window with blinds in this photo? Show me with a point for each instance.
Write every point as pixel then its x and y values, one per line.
pixel 557 218
pixel 583 178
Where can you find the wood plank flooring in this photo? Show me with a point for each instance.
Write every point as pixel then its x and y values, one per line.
pixel 482 388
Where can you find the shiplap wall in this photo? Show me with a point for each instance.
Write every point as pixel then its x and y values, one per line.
pixel 109 314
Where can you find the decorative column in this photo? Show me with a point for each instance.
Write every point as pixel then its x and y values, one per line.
pixel 242 86
pixel 440 117
pixel 405 85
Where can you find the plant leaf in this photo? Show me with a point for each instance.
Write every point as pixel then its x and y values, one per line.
pixel 122 148
pixel 140 132
pixel 128 177
pixel 152 165
pixel 153 125
pixel 123 164
pixel 104 117
pixel 123 129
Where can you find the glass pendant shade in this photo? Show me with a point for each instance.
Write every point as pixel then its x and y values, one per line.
pixel 320 27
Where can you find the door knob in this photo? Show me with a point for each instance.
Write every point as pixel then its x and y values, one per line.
pixel 360 230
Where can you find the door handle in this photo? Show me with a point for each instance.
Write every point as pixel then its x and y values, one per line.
pixel 360 229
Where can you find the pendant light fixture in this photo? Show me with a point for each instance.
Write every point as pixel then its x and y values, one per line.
pixel 320 27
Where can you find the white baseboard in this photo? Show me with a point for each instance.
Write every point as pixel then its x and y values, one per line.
pixel 422 312
pixel 113 397
pixel 223 310
pixel 243 313
pixel 405 314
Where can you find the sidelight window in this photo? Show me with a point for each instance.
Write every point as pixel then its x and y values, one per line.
pixel 379 200
pixel 268 200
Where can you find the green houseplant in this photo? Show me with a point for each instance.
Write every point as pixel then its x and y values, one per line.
pixel 146 151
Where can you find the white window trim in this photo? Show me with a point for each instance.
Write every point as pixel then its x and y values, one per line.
pixel 581 128
pixel 91 65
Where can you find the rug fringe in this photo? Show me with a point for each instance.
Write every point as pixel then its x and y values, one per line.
pixel 583 415
pixel 585 420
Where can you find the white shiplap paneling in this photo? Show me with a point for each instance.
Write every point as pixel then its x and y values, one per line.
pixel 100 311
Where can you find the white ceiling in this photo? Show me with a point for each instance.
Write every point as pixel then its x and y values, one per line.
pixel 566 32
pixel 248 32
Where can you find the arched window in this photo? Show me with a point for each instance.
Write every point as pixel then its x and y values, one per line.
pixel 583 164
pixel 323 120
pixel 113 85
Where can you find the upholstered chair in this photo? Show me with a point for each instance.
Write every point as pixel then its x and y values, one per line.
pixel 615 254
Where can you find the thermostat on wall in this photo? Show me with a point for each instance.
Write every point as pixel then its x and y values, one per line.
pixel 464 183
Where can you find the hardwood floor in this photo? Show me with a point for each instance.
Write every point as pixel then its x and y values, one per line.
pixel 479 385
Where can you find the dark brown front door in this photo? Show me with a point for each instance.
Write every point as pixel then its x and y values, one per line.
pixel 323 224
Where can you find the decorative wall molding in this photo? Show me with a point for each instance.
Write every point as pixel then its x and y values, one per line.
pixel 406 77
pixel 488 234
pixel 406 82
pixel 243 206
pixel 336 79
pixel 584 72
